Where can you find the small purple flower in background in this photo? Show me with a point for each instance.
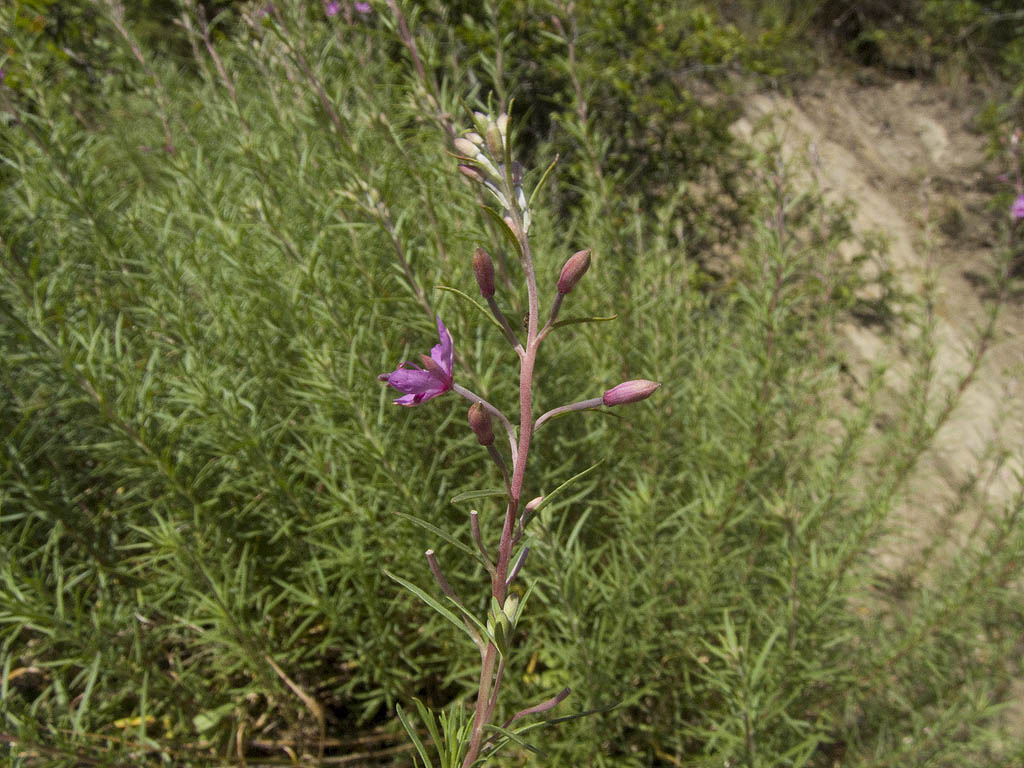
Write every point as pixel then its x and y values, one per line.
pixel 331 8
pixel 1017 209
pixel 363 8
pixel 435 377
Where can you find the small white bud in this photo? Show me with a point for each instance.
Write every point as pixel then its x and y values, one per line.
pixel 466 148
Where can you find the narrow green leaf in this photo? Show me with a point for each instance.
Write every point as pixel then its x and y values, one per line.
pixel 575 320
pixel 576 716
pixel 430 721
pixel 432 603
pixel 514 737
pixel 481 494
pixel 464 548
pixel 83 704
pixel 756 671
pixel 540 184
pixel 480 308
pixel 506 230
pixel 549 497
pixel 471 619
pixel 413 737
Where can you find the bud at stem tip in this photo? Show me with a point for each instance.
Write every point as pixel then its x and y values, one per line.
pixel 480 423
pixel 494 142
pixel 574 269
pixel 630 392
pixel 472 173
pixel 483 268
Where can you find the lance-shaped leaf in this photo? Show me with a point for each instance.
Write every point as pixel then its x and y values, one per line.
pixel 465 548
pixel 481 494
pixel 499 220
pixel 479 307
pixel 452 617
pixel 413 736
pixel 575 320
pixel 543 179
pixel 549 497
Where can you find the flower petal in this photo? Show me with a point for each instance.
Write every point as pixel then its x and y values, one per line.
pixel 443 353
pixel 409 400
pixel 418 385
pixel 414 381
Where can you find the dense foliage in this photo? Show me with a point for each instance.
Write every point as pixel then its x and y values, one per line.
pixel 216 232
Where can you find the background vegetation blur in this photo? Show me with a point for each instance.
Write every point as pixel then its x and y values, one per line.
pixel 219 222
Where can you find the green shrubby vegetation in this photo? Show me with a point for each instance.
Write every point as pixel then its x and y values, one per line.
pixel 957 41
pixel 216 234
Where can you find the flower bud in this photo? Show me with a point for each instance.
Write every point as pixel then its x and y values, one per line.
pixel 480 423
pixel 483 268
pixel 521 199
pixel 533 503
pixel 511 608
pixel 573 270
pixel 472 173
pixel 476 138
pixel 630 392
pixel 517 173
pixel 466 148
pixel 494 143
pixel 503 124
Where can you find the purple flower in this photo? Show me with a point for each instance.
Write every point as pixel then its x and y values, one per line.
pixel 331 8
pixel 1017 209
pixel 435 377
pixel 363 8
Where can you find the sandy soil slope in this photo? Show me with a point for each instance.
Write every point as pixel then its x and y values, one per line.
pixel 904 151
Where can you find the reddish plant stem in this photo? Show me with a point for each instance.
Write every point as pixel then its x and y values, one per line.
pixel 490 681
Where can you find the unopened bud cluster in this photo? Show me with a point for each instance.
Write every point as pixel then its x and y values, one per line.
pixel 484 160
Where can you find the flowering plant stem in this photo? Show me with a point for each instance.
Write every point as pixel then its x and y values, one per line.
pixel 486 697
pixel 486 160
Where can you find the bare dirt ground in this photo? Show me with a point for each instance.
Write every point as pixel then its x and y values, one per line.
pixel 905 152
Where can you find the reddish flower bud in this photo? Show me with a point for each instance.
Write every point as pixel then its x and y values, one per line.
pixel 471 173
pixel 630 392
pixel 480 423
pixel 574 269
pixel 483 268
